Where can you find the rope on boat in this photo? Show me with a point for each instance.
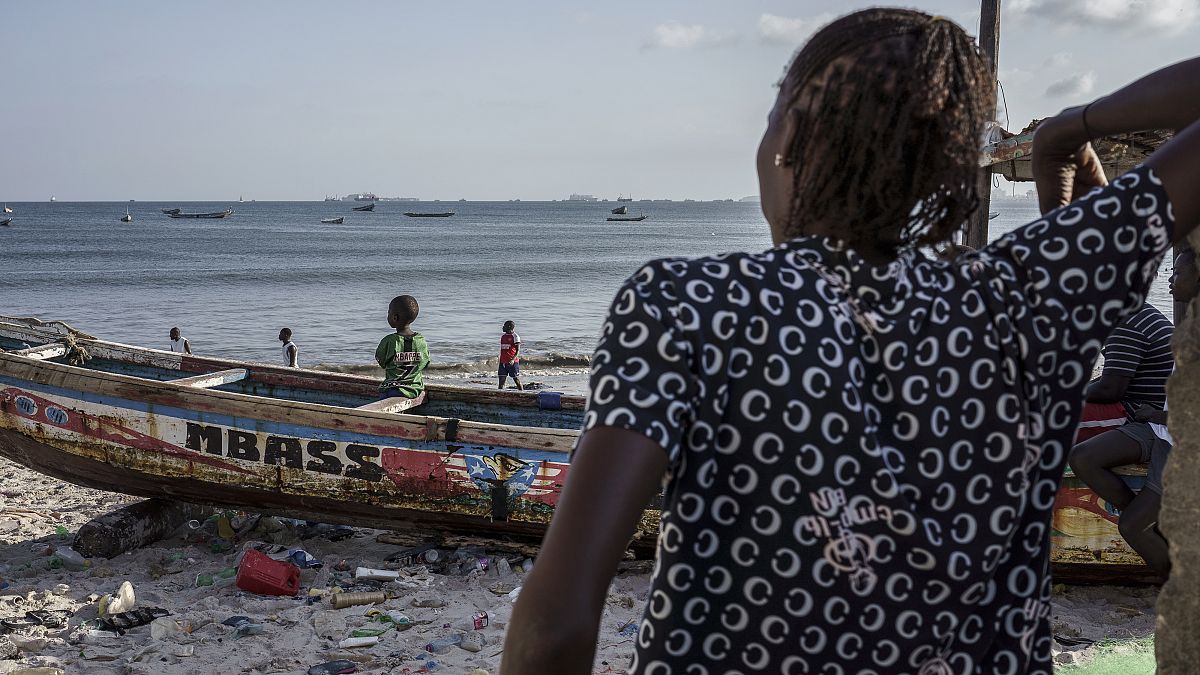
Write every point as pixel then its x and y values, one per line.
pixel 77 354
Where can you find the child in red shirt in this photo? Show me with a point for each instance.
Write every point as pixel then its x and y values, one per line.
pixel 510 363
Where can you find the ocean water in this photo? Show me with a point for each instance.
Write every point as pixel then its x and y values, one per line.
pixel 552 267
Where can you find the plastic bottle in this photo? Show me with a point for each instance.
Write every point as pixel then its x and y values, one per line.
pixel 245 629
pixel 342 600
pixel 333 668
pixel 376 575
pixel 223 578
pixel 445 644
pixel 71 559
pixel 352 642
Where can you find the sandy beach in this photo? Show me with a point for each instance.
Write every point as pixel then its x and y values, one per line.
pixel 297 633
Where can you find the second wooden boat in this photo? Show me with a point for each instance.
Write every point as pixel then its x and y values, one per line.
pixel 631 219
pixel 5 222
pixel 215 214
pixel 334 221
pixel 368 207
pixel 415 214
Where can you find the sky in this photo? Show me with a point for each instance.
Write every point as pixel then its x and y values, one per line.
pixel 480 100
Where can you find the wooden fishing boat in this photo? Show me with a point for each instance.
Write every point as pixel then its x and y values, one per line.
pixel 368 207
pixel 319 446
pixel 5 222
pixel 7 208
pixel 303 444
pixel 631 219
pixel 415 214
pixel 171 211
pixel 215 214
pixel 620 210
pixel 334 221
pixel 127 218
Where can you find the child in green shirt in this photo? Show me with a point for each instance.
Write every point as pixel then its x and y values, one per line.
pixel 403 355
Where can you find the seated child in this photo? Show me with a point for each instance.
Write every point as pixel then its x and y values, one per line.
pixel 403 355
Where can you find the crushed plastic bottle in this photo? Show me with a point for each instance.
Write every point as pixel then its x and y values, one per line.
pixel 445 644
pixel 225 577
pixel 339 667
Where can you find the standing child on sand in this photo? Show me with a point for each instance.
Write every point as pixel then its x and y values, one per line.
pixel 291 353
pixel 404 354
pixel 510 363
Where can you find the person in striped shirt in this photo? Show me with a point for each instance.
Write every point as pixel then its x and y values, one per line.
pixel 1137 362
pixel 1144 439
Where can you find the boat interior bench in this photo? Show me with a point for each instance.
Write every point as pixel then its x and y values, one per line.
pixel 394 404
pixel 50 351
pixel 209 380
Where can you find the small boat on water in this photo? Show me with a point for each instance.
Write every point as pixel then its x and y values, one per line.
pixel 7 209
pixel 321 446
pixel 620 210
pixel 414 214
pixel 993 215
pixel 6 222
pixel 334 221
pixel 631 219
pixel 171 211
pixel 368 207
pixel 127 218
pixel 216 214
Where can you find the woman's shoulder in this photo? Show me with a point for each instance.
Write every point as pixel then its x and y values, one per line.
pixel 719 266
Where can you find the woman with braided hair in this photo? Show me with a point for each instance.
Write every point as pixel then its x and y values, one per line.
pixel 861 441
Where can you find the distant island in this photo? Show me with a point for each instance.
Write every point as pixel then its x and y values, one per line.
pixel 751 198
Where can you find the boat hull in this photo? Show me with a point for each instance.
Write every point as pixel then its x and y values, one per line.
pixel 327 462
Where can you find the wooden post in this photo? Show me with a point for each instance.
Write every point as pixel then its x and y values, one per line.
pixel 989 45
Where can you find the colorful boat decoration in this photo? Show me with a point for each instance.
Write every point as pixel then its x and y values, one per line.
pixel 320 446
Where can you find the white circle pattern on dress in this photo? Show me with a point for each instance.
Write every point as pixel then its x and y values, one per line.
pixel 864 458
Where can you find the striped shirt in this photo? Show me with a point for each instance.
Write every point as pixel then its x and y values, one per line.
pixel 1140 349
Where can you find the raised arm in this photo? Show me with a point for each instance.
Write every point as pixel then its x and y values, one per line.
pixel 1167 99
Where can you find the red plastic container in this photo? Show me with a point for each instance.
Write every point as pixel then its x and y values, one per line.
pixel 259 574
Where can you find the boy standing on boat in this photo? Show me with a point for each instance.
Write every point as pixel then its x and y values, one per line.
pixel 291 353
pixel 404 354
pixel 510 362
pixel 179 343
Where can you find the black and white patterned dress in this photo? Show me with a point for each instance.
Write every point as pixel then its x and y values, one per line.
pixel 864 459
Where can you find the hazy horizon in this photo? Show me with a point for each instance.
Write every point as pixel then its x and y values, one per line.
pixel 293 101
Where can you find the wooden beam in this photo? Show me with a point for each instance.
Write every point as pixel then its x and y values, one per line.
pixel 209 380
pixel 52 351
pixel 393 404
pixel 989 46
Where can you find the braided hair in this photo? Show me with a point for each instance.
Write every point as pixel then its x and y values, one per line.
pixel 898 123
